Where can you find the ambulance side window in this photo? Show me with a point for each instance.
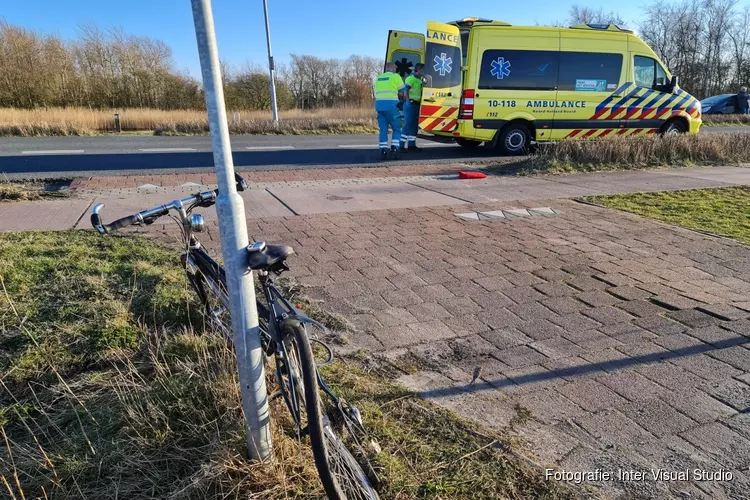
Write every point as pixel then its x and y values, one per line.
pixel 589 71
pixel 405 62
pixel 519 70
pixel 645 72
pixel 661 76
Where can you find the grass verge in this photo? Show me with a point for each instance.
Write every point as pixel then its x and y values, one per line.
pixel 29 191
pixel 726 120
pixel 84 121
pixel 109 387
pixel 722 211
pixel 633 153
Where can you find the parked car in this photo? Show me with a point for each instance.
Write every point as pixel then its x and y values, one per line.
pixel 725 104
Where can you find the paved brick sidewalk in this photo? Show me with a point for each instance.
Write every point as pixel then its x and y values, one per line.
pixel 178 179
pixel 606 340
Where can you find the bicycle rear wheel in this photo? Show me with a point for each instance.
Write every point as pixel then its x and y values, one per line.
pixel 339 471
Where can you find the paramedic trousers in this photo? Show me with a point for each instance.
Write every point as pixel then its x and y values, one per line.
pixel 411 121
pixel 389 118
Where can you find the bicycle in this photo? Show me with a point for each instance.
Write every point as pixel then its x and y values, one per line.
pixel 284 337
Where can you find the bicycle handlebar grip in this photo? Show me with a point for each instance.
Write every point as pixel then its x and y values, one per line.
pixel 120 223
pixel 96 219
pixel 241 184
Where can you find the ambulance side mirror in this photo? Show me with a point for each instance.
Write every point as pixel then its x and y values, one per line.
pixel 674 84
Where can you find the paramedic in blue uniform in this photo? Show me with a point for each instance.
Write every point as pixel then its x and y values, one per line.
pixel 389 92
pixel 413 91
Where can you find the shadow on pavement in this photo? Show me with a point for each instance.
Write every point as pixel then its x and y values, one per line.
pixel 159 161
pixel 584 369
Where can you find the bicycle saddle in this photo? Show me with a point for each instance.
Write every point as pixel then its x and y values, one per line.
pixel 262 256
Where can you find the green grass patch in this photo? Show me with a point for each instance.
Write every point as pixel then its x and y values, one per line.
pixel 111 388
pixel 722 211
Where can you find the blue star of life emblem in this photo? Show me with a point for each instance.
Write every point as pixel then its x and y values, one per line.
pixel 500 68
pixel 443 64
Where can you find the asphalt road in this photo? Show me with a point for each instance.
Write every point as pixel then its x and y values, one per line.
pixel 56 156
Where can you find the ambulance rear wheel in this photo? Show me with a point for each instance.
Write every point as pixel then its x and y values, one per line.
pixel 514 139
pixel 467 143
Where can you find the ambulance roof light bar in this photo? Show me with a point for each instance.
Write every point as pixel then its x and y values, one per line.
pixel 470 21
pixel 600 27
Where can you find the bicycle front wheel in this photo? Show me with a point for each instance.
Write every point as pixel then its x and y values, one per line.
pixel 339 471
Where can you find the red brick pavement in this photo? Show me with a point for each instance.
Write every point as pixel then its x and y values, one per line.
pixel 626 339
pixel 176 179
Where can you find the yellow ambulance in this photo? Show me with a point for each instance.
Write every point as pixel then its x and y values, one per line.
pixel 506 86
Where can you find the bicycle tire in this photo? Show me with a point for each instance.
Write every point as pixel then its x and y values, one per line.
pixel 340 473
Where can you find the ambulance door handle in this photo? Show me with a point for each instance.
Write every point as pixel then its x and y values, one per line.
pixel 428 99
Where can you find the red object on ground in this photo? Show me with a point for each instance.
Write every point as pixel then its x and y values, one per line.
pixel 466 174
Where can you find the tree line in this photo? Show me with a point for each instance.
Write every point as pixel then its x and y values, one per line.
pixel 706 43
pixel 112 69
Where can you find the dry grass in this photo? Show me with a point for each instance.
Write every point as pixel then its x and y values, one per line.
pixel 640 152
pixel 107 392
pixel 725 120
pixel 28 191
pixel 84 121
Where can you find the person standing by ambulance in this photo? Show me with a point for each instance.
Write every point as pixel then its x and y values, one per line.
pixel 413 91
pixel 389 88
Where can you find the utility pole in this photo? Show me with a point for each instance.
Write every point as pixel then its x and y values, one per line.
pixel 233 231
pixel 271 68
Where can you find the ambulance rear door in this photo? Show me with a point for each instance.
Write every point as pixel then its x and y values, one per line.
pixel 405 49
pixel 441 92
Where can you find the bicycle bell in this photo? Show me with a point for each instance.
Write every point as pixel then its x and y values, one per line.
pixel 196 223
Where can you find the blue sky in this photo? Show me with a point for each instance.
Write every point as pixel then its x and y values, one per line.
pixel 332 28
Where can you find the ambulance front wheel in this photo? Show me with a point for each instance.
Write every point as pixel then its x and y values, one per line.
pixel 514 139
pixel 675 126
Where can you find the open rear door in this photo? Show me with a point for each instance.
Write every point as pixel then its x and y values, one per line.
pixel 441 93
pixel 405 49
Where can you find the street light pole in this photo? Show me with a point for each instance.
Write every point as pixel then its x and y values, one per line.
pixel 271 68
pixel 233 231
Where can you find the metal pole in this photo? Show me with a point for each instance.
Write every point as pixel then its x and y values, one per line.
pixel 233 231
pixel 271 68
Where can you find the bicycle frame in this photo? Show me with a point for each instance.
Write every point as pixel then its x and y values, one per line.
pixel 280 309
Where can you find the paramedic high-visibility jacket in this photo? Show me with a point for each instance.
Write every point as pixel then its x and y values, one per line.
pixel 387 87
pixel 414 83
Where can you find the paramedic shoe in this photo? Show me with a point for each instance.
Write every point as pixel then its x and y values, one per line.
pixel 394 153
pixel 415 149
pixel 383 154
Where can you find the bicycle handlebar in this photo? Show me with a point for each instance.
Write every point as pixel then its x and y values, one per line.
pixel 147 216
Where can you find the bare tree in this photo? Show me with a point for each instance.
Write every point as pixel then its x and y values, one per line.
pixel 739 35
pixel 590 15
pixel 702 41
